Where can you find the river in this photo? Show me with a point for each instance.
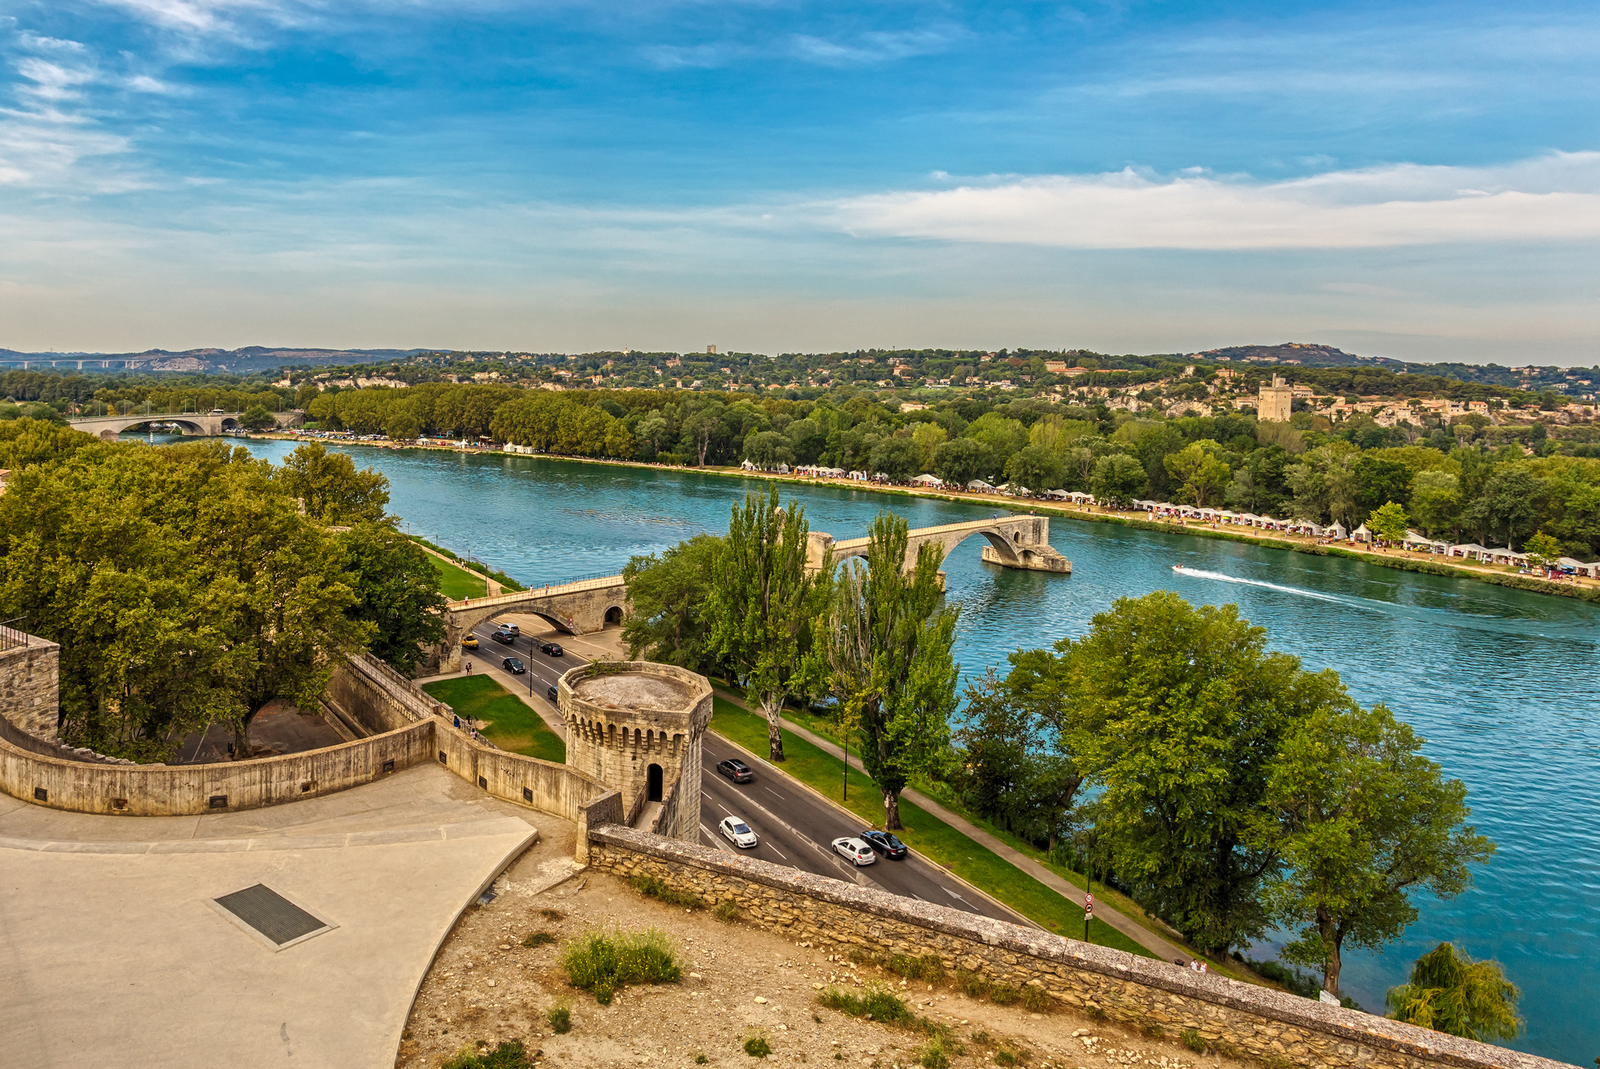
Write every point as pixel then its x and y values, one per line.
pixel 1500 682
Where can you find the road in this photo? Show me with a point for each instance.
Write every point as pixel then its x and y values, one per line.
pixel 796 826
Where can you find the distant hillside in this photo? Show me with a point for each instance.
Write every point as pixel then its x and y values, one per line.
pixel 1307 355
pixel 251 358
pixel 1576 380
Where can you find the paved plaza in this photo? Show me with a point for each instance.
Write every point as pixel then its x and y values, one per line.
pixel 114 953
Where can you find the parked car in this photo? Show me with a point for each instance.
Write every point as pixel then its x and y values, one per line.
pixel 736 770
pixel 855 850
pixel 512 628
pixel 738 833
pixel 885 843
pixel 552 648
pixel 551 693
pixel 505 638
pixel 469 642
pixel 514 666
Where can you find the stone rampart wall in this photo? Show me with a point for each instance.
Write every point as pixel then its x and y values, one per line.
pixel 544 785
pixel 29 682
pixel 1272 1027
pixel 174 790
pixel 378 696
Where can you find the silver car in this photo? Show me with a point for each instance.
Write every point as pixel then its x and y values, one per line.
pixel 738 833
pixel 855 850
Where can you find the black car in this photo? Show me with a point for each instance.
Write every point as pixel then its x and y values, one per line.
pixel 504 637
pixel 552 648
pixel 551 693
pixel 736 770
pixel 514 666
pixel 885 843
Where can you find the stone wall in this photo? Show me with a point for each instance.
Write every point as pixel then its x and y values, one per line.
pixel 1272 1027
pixel 528 781
pixel 174 790
pixel 378 696
pixel 29 681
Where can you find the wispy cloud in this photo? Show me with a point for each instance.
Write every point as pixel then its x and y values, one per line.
pixel 48 133
pixel 1551 198
pixel 874 47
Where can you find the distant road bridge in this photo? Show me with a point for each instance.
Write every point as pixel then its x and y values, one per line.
pixel 201 423
pixel 591 605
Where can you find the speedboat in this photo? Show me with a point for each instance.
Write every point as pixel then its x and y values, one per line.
pixel 1177 567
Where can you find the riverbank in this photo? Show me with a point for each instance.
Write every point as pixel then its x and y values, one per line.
pixel 1579 588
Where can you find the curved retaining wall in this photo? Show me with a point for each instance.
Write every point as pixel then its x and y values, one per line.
pixel 1272 1027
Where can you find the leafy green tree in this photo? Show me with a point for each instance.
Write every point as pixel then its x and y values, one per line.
pixel 1010 766
pixel 1379 479
pixel 666 620
pixel 1036 467
pixel 1175 713
pixel 1449 992
pixel 897 457
pixel 1198 472
pixel 397 591
pixel 256 418
pixel 764 604
pixel 1542 550
pixel 768 449
pixel 331 489
pixel 888 647
pixel 962 460
pixel 1117 480
pixel 1363 822
pixel 1324 484
pixel 1436 501
pixel 1508 507
pixel 1389 522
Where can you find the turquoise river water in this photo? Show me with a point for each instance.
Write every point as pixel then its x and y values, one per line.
pixel 1501 683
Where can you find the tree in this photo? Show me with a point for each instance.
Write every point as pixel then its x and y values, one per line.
pixel 898 458
pixel 256 418
pixel 1379 479
pixel 1436 501
pixel 1389 522
pixel 1117 479
pixel 1011 769
pixel 1449 992
pixel 888 647
pixel 396 590
pixel 331 489
pixel 768 449
pixel 1036 467
pixel 1542 550
pixel 1363 821
pixel 666 596
pixel 961 460
pixel 764 603
pixel 1201 475
pixel 1175 713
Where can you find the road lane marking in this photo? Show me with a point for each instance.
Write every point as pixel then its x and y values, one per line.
pixel 780 853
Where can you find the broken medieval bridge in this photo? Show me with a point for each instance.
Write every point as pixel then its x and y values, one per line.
pixel 591 605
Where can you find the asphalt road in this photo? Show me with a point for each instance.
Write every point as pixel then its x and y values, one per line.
pixel 796 826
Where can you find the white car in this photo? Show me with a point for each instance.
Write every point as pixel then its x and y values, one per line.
pixel 855 850
pixel 738 833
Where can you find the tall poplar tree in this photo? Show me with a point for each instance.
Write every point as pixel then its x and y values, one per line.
pixel 888 650
pixel 764 604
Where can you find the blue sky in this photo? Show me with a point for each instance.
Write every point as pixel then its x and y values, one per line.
pixel 1408 180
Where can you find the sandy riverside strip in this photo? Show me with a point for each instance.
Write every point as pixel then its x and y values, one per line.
pixel 1427 564
pixel 1164 950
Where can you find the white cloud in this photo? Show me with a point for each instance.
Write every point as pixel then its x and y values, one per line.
pixel 1551 198
pixel 875 47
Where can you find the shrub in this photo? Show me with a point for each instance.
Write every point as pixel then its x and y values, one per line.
pixel 1009 1056
pixel 538 939
pixel 552 915
pixel 1036 999
pixel 662 891
pixel 700 1058
pixel 601 962
pixel 727 910
pixel 928 967
pixel 1191 1039
pixel 560 1017
pixel 1004 994
pixel 509 1055
pixel 756 1045
pixel 938 1052
pixel 878 1003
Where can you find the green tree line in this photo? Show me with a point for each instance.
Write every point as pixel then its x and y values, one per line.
pixel 192 585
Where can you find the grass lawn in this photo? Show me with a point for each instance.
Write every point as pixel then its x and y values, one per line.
pixel 513 726
pixel 456 582
pixel 933 838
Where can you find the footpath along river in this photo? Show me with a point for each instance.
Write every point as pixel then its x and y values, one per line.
pixel 1501 683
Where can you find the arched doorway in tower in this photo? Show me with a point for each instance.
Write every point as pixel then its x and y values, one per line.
pixel 653 784
pixel 614 616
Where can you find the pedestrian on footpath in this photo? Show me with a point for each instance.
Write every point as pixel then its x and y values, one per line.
pixel 469 668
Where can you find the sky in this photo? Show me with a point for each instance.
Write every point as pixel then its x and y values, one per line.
pixel 1410 180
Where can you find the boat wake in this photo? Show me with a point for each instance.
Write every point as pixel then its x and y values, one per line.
pixel 1201 573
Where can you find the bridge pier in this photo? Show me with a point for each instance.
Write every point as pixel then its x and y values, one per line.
pixel 1021 542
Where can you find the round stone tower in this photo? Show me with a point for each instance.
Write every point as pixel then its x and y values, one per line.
pixel 636 726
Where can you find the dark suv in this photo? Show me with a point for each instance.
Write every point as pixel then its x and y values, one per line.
pixel 514 666
pixel 552 648
pixel 505 638
pixel 736 770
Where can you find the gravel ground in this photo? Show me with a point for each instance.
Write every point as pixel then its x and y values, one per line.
pixel 738 982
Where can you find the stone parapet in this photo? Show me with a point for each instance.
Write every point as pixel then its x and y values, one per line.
pixel 1273 1027
pixel 30 677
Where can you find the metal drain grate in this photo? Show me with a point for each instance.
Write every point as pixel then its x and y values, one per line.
pixel 269 913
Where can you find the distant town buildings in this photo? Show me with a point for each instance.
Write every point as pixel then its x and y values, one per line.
pixel 1276 402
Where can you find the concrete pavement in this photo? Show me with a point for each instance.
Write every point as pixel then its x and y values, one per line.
pixel 111 953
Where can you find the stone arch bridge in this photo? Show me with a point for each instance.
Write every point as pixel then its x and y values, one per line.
pixel 197 423
pixel 1014 542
